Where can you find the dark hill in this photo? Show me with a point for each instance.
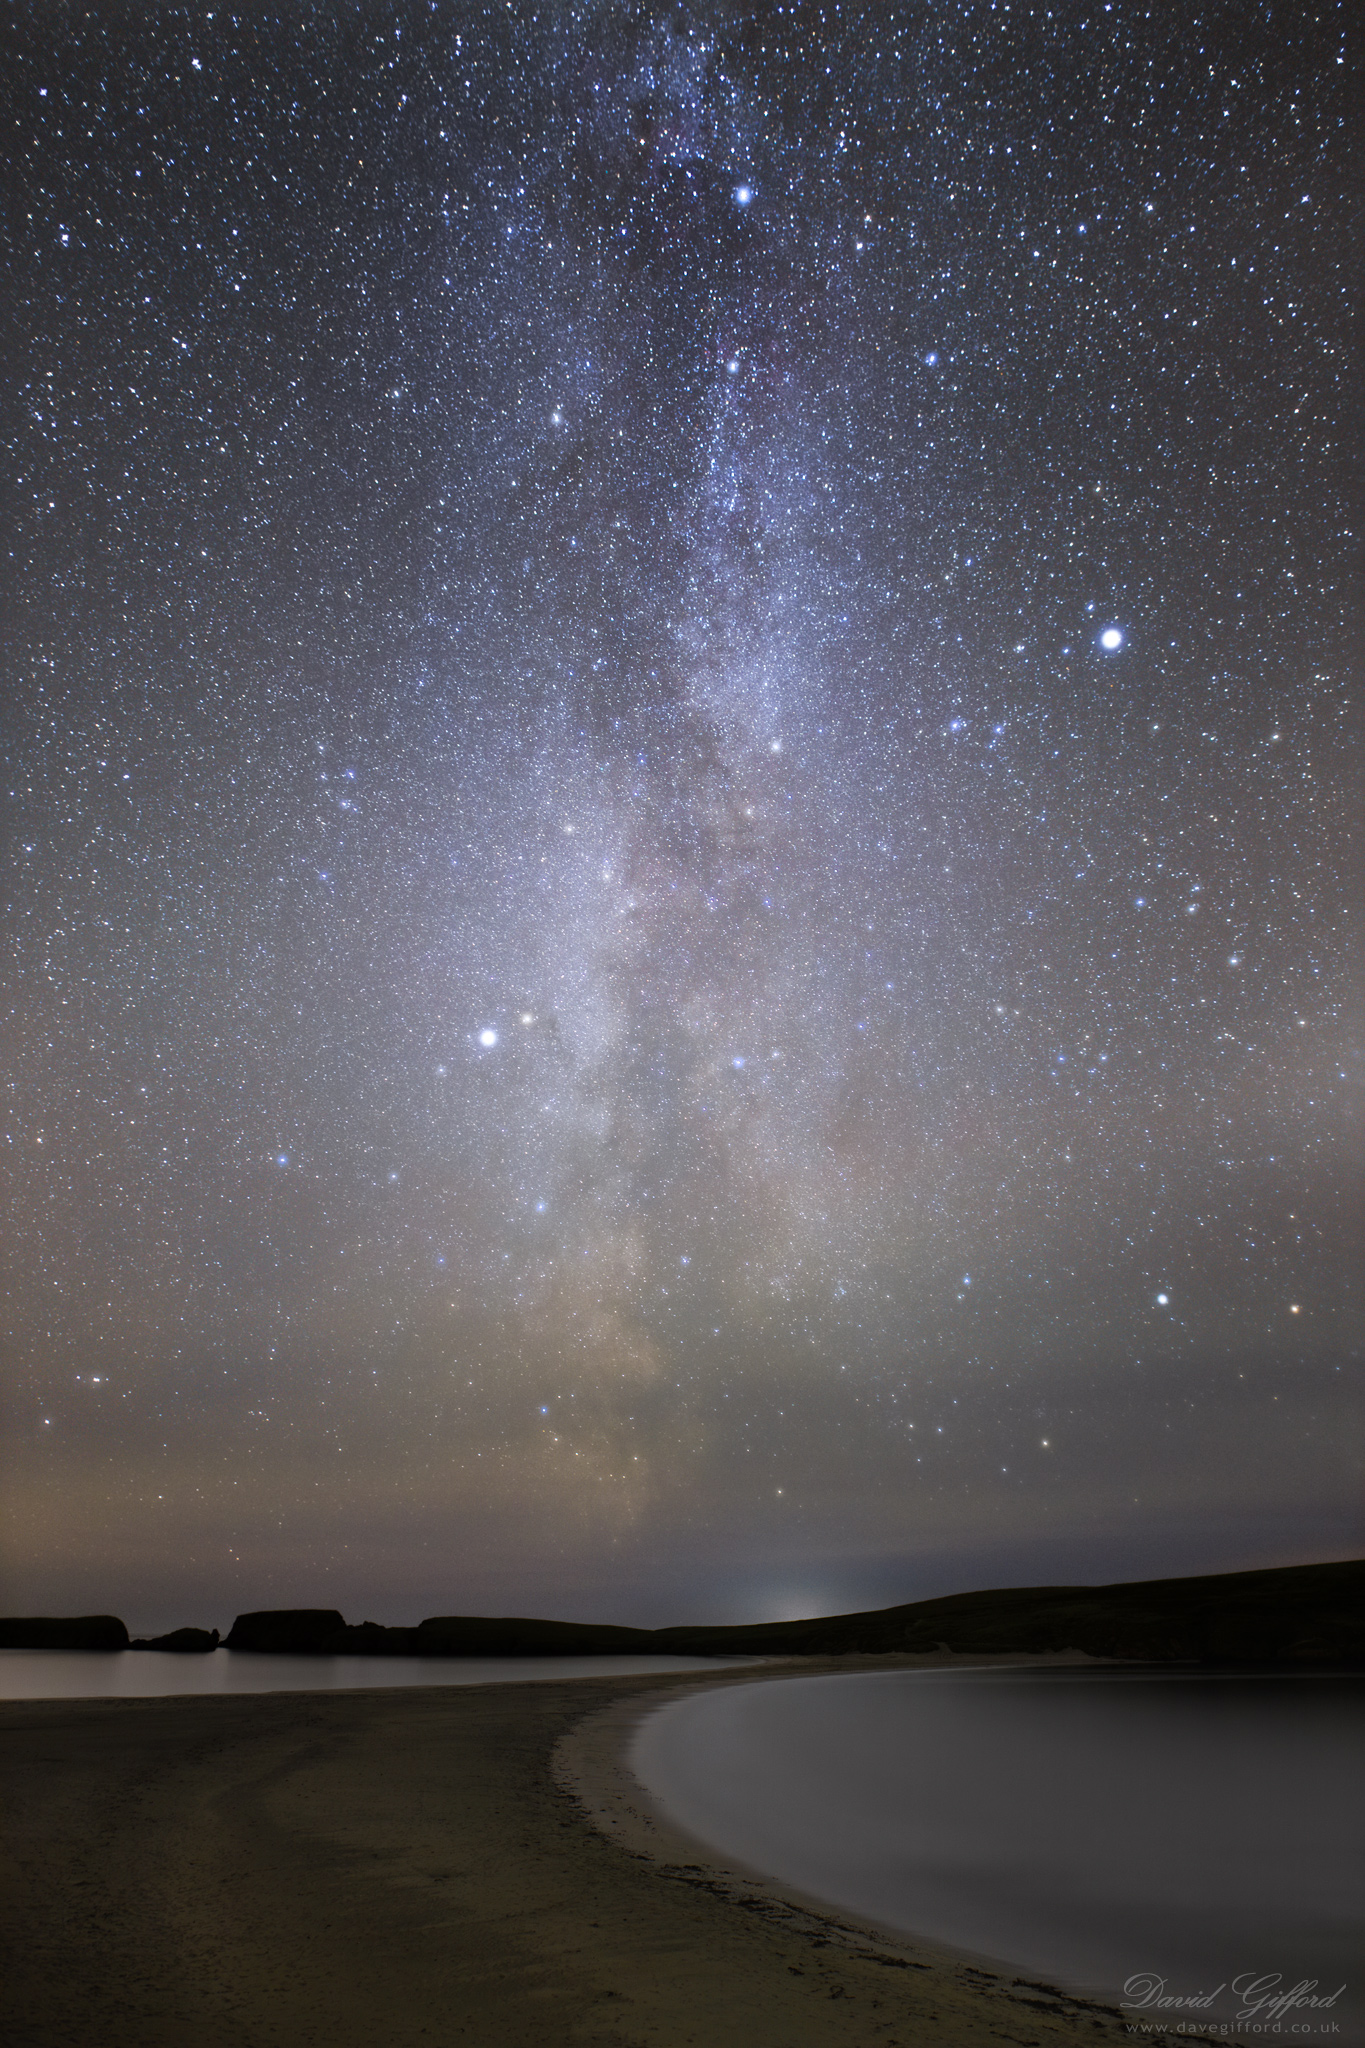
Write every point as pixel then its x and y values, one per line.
pixel 1300 1614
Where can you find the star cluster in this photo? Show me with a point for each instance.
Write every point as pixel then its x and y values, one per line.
pixel 678 816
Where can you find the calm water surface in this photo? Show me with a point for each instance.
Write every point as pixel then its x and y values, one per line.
pixel 142 1674
pixel 1088 1828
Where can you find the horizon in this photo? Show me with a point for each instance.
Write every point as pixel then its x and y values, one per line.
pixel 163 1625
pixel 143 1630
pixel 679 857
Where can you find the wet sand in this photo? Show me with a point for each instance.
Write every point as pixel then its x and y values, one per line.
pixel 403 1868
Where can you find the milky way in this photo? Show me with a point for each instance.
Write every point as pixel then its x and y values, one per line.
pixel 679 805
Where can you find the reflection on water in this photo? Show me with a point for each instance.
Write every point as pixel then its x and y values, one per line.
pixel 1086 1826
pixel 143 1674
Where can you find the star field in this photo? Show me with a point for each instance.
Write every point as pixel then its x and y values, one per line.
pixel 679 806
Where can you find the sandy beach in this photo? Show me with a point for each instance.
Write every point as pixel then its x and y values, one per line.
pixel 422 1866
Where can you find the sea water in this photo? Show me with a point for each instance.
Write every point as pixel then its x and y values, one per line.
pixel 145 1674
pixel 1143 1837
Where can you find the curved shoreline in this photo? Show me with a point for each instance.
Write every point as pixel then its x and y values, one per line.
pixel 414 1866
pixel 592 1763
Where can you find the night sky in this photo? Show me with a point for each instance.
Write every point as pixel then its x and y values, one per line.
pixel 678 815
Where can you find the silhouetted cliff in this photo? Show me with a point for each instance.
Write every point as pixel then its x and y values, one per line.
pixel 69 1632
pixel 284 1629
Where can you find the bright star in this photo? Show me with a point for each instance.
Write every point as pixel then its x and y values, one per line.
pixel 1111 639
pixel 488 1037
pixel 743 194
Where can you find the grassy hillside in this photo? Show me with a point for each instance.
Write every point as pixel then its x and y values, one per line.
pixel 1301 1614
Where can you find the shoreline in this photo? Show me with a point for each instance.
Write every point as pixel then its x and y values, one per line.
pixel 414 1865
pixel 592 1763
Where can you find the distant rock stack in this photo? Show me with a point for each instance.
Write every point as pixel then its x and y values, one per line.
pixel 318 1632
pixel 69 1632
pixel 287 1631
pixel 184 1641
